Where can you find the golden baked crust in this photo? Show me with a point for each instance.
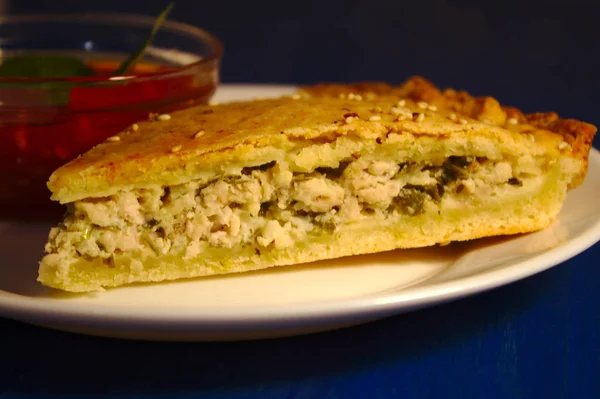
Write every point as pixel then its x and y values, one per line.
pixel 171 152
pixel 577 134
pixel 330 171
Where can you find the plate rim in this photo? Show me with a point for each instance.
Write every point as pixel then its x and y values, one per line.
pixel 26 308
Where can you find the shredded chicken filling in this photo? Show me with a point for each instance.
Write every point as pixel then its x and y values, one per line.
pixel 268 206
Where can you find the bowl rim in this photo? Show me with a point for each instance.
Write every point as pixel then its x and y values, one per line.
pixel 117 18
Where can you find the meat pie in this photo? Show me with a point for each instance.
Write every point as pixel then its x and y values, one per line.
pixel 330 171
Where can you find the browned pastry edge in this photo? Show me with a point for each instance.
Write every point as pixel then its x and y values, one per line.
pixel 577 134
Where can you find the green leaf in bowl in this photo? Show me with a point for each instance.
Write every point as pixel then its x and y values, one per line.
pixel 44 66
pixel 136 55
pixel 49 66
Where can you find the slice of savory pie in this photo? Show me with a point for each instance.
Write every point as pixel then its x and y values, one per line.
pixel 331 171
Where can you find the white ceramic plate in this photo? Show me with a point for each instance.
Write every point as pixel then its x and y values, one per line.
pixel 292 300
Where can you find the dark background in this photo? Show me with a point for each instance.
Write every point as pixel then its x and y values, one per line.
pixel 531 54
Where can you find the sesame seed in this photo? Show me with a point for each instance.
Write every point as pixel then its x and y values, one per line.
pixel 401 103
pixel 296 96
pixel 396 111
pixel 463 121
pixel 163 117
pixel 350 119
pixel 176 148
pixel 404 112
pixel 512 121
pixel 432 108
pixel 422 104
pixel 376 109
pixel 563 145
pixel 358 97
pixel 351 96
pixel 199 134
pixel 452 116
pixel 531 137
pixel 419 117
pixel 375 118
pixel 113 138
pixel 135 127
pixel 342 95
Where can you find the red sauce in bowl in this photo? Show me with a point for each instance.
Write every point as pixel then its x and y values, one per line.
pixel 34 141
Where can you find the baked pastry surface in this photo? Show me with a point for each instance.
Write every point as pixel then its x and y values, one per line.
pixel 331 171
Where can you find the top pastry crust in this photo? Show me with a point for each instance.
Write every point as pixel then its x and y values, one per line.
pixel 203 142
pixel 576 134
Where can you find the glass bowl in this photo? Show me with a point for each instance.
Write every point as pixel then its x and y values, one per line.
pixel 44 123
